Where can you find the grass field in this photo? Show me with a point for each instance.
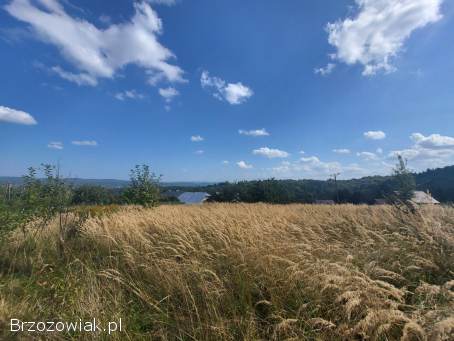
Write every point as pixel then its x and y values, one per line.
pixel 240 272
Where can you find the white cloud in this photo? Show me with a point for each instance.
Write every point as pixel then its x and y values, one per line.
pixel 368 156
pixel 225 162
pixel 105 19
pixel 379 150
pixel 78 78
pixel 314 164
pixel 428 151
pixel 255 133
pixel 197 138
pixel 375 135
pixel 199 152
pixel 426 158
pixel 16 116
pixel 325 71
pixel 379 30
pixel 314 168
pixel 100 53
pixel 244 165
pixel 85 143
pixel 237 93
pixel 233 93
pixel 405 153
pixel 270 153
pixel 342 151
pixel 168 93
pixel 129 94
pixel 55 145
pixel 434 141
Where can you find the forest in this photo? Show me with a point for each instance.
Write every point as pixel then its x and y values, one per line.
pixel 439 182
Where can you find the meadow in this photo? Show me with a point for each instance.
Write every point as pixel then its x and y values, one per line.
pixel 238 272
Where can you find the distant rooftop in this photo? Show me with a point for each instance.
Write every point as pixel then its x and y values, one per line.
pixel 193 197
pixel 420 197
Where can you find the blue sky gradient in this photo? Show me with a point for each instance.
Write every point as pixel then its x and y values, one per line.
pixel 261 60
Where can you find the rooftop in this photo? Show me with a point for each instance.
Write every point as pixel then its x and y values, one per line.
pixel 193 197
pixel 420 197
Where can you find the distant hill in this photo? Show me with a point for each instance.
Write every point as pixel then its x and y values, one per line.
pixel 440 182
pixel 107 183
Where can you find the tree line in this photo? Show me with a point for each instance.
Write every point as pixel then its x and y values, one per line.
pixel 439 182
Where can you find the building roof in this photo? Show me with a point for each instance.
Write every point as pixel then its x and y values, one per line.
pixel 420 197
pixel 193 197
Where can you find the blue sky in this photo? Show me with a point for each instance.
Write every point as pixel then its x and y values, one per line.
pixel 226 90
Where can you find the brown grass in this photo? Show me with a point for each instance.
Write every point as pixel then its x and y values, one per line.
pixel 241 272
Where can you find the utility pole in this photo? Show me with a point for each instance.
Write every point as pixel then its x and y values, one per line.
pixel 334 176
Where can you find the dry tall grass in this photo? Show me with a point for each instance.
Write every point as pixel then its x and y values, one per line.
pixel 242 272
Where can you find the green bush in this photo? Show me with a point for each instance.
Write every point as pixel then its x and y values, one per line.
pixel 36 202
pixel 143 189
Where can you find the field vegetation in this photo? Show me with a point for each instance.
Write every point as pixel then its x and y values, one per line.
pixel 238 272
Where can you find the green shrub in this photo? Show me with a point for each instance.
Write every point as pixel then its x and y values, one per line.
pixel 143 189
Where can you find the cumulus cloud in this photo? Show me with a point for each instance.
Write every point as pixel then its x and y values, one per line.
pixel 55 145
pixel 313 164
pixel 428 151
pixel 225 162
pixel 85 143
pixel 16 116
pixel 434 141
pixel 199 152
pixel 237 93
pixel 378 31
pixel 284 167
pixel 255 133
pixel 368 156
pixel 325 71
pixel 78 78
pixel 270 153
pixel 129 94
pixel 342 151
pixel 100 53
pixel 375 135
pixel 244 165
pixel 314 168
pixel 233 93
pixel 197 138
pixel 168 93
pixel 105 19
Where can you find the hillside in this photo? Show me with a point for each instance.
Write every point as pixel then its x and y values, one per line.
pixel 440 182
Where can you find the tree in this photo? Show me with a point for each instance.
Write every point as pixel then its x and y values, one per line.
pixel 92 195
pixel 143 189
pixel 34 204
pixel 404 182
